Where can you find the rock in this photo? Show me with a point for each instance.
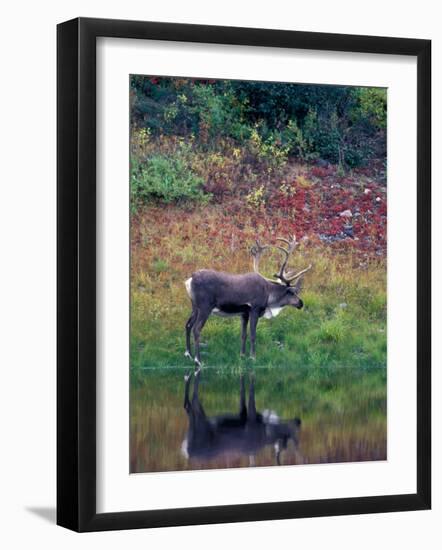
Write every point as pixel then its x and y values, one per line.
pixel 367 191
pixel 343 305
pixel 346 214
pixel 348 230
pixel 378 199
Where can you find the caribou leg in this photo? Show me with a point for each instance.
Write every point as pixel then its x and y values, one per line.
pixel 189 325
pixel 203 315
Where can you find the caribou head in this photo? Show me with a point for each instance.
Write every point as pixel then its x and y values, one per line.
pixel 249 295
pixel 291 279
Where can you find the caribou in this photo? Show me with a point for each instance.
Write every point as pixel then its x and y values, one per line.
pixel 248 295
pixel 231 435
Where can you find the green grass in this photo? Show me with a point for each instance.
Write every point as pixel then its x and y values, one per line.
pixel 322 334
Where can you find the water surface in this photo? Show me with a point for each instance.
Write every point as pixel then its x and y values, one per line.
pixel 342 413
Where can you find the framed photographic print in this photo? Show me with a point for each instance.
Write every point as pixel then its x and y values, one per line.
pixel 243 274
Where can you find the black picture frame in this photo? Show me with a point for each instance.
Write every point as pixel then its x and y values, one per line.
pixel 77 287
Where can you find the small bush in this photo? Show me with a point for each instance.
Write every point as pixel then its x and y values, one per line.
pixel 164 178
pixel 160 266
pixel 332 330
pixel 256 198
pixel 302 181
pixel 269 150
pixel 297 142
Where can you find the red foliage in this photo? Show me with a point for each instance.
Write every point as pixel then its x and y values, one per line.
pixel 315 211
pixel 321 172
pixel 312 211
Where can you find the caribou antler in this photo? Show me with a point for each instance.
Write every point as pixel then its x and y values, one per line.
pixel 283 276
pixel 292 276
pixel 291 245
pixel 256 251
pixel 288 276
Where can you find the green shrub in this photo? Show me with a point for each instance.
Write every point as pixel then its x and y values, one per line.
pixel 215 113
pixel 297 143
pixel 270 150
pixel 160 266
pixel 164 178
pixel 344 125
pixel 325 134
pixel 371 106
pixel 332 330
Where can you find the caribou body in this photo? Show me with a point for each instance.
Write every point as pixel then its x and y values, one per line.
pixel 249 295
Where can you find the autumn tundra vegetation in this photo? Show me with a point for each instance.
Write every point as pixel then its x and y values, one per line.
pixel 216 165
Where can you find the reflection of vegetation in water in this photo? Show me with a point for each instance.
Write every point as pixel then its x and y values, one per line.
pixel 343 412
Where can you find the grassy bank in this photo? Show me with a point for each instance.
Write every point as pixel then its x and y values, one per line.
pixel 343 322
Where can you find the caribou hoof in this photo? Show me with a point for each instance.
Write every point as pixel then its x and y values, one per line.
pixel 188 354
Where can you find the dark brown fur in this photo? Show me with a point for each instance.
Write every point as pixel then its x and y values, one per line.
pixel 249 295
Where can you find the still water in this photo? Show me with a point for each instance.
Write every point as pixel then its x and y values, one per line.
pixel 232 418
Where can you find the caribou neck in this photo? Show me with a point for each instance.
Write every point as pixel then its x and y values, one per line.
pixel 276 290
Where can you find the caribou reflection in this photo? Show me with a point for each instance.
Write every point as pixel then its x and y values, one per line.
pixel 244 433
